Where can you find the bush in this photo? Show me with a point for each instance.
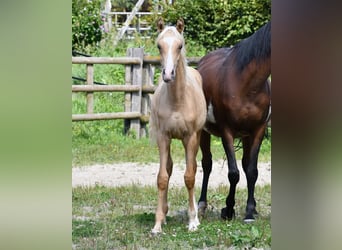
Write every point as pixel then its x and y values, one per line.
pixel 219 23
pixel 86 23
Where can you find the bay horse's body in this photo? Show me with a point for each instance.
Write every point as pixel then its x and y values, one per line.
pixel 178 111
pixel 235 85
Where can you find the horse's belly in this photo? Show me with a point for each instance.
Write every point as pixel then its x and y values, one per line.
pixel 238 118
pixel 212 128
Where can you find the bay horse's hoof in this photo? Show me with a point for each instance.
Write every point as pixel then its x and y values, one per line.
pixel 227 214
pixel 202 206
pixel 250 216
pixel 249 219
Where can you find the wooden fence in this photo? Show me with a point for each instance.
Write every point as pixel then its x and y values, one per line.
pixel 112 21
pixel 139 76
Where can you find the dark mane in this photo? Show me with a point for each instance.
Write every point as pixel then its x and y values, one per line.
pixel 256 46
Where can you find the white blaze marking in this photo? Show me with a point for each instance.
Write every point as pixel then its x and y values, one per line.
pixel 169 60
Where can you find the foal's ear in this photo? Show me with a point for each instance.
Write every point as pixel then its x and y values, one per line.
pixel 180 25
pixel 160 24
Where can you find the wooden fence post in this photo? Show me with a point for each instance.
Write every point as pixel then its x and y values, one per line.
pixel 128 95
pixel 108 9
pixel 90 95
pixel 135 78
pixel 147 79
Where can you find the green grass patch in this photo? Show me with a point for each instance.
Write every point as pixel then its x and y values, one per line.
pixel 103 142
pixel 122 218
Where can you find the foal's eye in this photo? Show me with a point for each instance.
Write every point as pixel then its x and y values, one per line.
pixel 158 46
pixel 180 47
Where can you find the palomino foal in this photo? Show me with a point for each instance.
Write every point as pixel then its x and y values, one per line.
pixel 178 110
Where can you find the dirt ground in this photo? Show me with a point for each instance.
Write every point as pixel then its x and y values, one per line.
pixel 120 174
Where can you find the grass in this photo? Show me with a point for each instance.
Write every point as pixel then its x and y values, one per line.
pixel 122 217
pixel 106 144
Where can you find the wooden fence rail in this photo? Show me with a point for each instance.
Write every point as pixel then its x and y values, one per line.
pixel 106 60
pixel 112 88
pixel 139 76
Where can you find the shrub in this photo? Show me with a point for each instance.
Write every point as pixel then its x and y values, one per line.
pixel 86 23
pixel 219 23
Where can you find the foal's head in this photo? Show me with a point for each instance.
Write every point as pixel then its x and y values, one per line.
pixel 170 43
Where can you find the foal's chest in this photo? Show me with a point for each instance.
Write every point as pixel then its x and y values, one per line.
pixel 177 124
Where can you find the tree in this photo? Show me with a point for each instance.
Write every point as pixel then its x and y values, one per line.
pixel 219 23
pixel 86 23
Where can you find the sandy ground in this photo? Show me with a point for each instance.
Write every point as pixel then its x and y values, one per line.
pixel 120 174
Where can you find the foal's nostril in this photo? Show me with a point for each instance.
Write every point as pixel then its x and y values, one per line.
pixel 163 71
pixel 173 72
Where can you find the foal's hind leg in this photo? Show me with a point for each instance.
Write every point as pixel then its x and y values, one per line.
pixel 207 166
pixel 165 171
pixel 251 147
pixel 233 175
pixel 191 145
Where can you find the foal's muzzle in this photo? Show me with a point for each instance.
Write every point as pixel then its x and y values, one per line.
pixel 168 76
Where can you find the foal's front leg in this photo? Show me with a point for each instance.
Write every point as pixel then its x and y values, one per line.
pixel 191 145
pixel 165 171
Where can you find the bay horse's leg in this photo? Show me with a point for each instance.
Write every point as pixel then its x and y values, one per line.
pixel 191 145
pixel 233 175
pixel 246 160
pixel 207 166
pixel 251 147
pixel 165 171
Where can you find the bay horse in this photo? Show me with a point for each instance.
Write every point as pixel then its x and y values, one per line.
pixel 237 93
pixel 178 110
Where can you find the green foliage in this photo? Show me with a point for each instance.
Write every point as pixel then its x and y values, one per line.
pixel 128 5
pixel 86 23
pixel 219 23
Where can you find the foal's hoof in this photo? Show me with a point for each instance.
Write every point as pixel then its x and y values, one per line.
pixel 156 231
pixel 193 225
pixel 227 214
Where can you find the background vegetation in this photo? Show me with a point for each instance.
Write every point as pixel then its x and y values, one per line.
pixel 219 23
pixel 209 23
pixel 86 23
